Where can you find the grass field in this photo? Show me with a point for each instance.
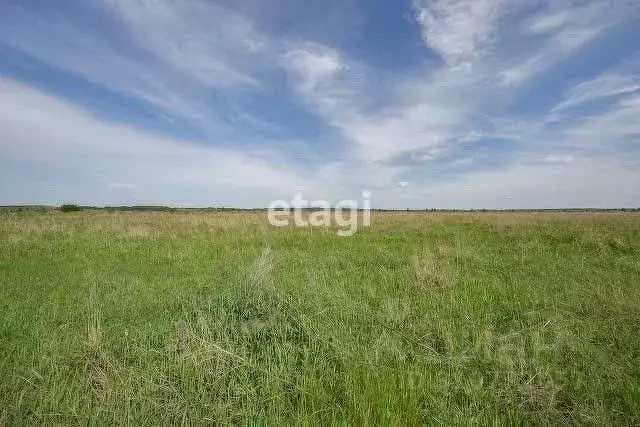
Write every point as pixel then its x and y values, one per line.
pixel 201 318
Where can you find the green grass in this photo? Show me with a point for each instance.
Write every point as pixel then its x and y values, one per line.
pixel 200 318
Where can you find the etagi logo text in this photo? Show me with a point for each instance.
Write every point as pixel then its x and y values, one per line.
pixel 321 213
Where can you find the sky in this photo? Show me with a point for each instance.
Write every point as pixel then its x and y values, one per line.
pixel 424 103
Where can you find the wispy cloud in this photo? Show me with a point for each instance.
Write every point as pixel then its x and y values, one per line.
pixel 606 85
pixel 438 111
pixel 459 30
pixel 499 111
pixel 167 55
pixel 558 30
pixel 40 129
pixel 613 125
pixel 558 158
pixel 413 120
pixel 181 36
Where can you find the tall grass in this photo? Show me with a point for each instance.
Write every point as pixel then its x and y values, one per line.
pixel 201 318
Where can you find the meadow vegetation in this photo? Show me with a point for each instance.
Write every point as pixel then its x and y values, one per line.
pixel 150 318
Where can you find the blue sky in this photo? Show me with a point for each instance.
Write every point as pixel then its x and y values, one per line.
pixel 425 103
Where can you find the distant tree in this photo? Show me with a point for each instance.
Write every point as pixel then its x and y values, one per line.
pixel 70 208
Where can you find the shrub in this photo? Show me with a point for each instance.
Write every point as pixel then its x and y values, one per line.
pixel 70 208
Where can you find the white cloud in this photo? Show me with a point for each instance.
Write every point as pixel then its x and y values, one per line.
pixel 563 28
pixel 422 157
pixel 204 41
pixel 418 117
pixel 315 63
pixel 594 183
pixel 167 55
pixel 551 22
pixel 41 130
pixel 459 30
pixel 558 158
pixel 516 74
pixel 610 84
pixel 430 113
pixel 613 125
pixel 124 185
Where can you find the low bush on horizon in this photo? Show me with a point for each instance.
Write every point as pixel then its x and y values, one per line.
pixel 70 208
pixel 150 318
